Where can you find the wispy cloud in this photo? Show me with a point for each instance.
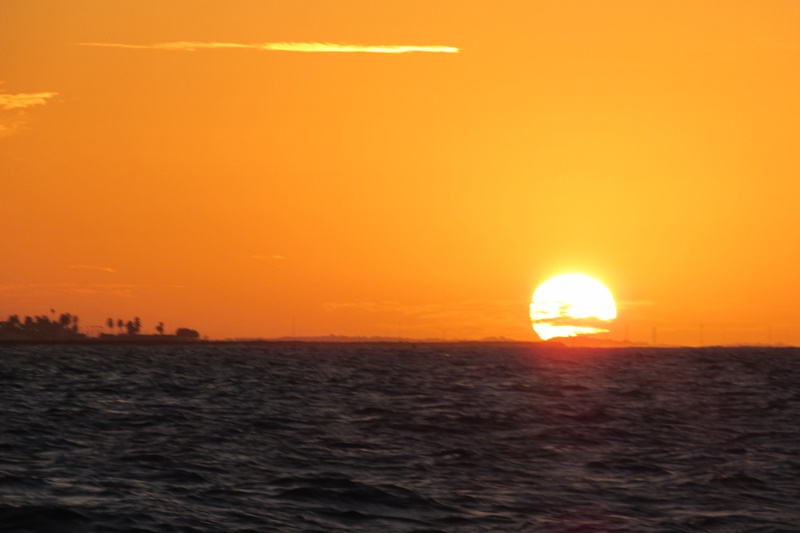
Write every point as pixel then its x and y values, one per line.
pixel 483 317
pixel 466 319
pixel 52 289
pixel 14 106
pixel 91 267
pixel 24 100
pixel 189 46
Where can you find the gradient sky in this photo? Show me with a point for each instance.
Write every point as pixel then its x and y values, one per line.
pixel 204 172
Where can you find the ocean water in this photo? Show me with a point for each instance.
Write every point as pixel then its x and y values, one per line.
pixel 423 438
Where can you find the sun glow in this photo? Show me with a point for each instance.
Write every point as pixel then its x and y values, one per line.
pixel 570 305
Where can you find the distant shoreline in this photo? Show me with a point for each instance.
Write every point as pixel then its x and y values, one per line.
pixel 172 341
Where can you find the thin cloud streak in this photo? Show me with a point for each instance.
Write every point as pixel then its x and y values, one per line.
pixel 91 267
pixel 24 100
pixel 188 46
pixel 474 311
pixel 14 109
pixel 456 320
pixel 53 289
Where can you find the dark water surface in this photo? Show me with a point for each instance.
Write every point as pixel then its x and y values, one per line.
pixel 235 438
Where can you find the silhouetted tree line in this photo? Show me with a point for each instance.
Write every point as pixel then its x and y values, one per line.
pixel 132 327
pixel 66 325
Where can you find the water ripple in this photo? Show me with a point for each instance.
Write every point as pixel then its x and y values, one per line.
pixel 294 437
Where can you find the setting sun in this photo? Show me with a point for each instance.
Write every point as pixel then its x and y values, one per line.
pixel 570 305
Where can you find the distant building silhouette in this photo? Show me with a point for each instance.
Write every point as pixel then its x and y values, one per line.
pixel 186 333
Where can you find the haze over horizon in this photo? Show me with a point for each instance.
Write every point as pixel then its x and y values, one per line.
pixel 263 168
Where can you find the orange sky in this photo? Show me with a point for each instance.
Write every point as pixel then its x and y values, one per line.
pixel 236 190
